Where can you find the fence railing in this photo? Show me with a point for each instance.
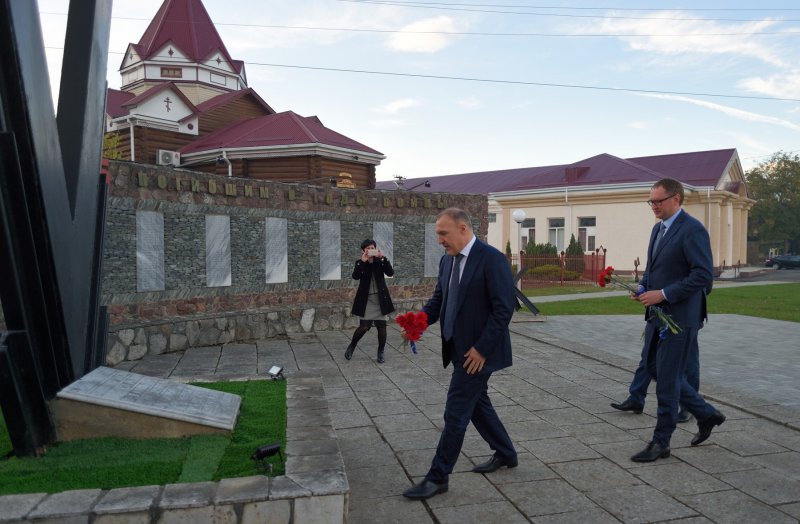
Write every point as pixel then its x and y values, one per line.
pixel 560 269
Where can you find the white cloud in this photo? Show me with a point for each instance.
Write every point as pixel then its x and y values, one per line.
pixel 469 102
pixel 395 106
pixel 730 111
pixel 638 125
pixel 693 37
pixel 389 122
pixel 779 85
pixel 416 40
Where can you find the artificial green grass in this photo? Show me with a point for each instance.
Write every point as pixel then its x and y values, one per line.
pixel 115 462
pixel 776 301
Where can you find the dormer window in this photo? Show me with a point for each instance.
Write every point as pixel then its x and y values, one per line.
pixel 171 72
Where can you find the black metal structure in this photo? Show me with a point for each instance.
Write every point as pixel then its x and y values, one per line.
pixel 521 299
pixel 52 211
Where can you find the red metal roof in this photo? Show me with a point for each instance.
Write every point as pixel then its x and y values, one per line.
pixel 478 183
pixel 186 25
pixel 700 168
pixel 116 101
pixel 224 98
pixel 602 169
pixel 149 93
pixel 280 129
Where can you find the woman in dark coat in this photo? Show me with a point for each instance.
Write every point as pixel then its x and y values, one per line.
pixel 372 302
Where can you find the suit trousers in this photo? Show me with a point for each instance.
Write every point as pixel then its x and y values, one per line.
pixel 641 378
pixel 468 400
pixel 666 363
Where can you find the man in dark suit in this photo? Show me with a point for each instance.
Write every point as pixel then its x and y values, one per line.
pixel 678 275
pixel 637 391
pixel 474 299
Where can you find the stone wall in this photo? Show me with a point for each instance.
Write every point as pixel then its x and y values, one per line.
pixel 186 312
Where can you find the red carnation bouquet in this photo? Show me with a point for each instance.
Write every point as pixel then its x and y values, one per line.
pixel 607 276
pixel 414 325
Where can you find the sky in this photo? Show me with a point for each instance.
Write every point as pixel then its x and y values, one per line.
pixel 453 87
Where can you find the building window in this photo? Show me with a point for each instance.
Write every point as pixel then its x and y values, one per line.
pixel 529 224
pixel 492 218
pixel 587 233
pixel 556 233
pixel 171 72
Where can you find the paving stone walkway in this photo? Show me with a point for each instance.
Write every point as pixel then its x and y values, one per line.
pixel 574 449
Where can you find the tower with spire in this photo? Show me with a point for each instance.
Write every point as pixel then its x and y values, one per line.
pixel 184 101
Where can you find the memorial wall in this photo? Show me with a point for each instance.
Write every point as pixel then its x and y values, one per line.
pixel 194 259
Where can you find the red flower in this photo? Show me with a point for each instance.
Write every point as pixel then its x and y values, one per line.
pixel 414 325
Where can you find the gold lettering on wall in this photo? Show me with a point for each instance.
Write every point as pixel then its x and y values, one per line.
pixel 342 199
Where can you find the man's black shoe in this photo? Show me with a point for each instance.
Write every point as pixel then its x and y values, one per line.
pixel 425 490
pixel 683 416
pixel 495 463
pixel 348 353
pixel 705 426
pixel 652 452
pixel 628 405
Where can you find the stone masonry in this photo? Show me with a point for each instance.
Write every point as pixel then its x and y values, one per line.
pixel 187 313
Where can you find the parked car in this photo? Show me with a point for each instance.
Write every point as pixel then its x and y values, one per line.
pixel 783 261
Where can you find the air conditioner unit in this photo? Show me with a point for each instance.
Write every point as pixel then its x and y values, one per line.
pixel 168 158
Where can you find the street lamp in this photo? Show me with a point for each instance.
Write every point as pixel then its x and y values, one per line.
pixel 519 216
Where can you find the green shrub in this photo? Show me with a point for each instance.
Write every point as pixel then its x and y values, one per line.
pixel 574 254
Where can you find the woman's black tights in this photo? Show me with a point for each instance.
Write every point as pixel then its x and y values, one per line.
pixel 363 327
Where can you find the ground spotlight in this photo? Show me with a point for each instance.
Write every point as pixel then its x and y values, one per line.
pixel 276 373
pixel 262 453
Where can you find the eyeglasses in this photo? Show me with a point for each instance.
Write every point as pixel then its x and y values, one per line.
pixel 660 201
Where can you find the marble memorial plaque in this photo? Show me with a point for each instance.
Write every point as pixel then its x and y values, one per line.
pixel 149 251
pixel 218 250
pixel 330 250
pixel 383 234
pixel 433 251
pixel 154 396
pixel 276 259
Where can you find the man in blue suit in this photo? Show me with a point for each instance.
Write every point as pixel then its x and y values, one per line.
pixel 678 275
pixel 474 300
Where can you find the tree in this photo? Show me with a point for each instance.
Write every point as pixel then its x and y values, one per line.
pixel 775 218
pixel 574 255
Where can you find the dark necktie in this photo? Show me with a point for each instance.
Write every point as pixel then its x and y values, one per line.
pixel 660 235
pixel 452 299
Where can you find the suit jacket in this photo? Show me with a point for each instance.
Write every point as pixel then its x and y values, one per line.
pixel 363 271
pixel 484 309
pixel 683 267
